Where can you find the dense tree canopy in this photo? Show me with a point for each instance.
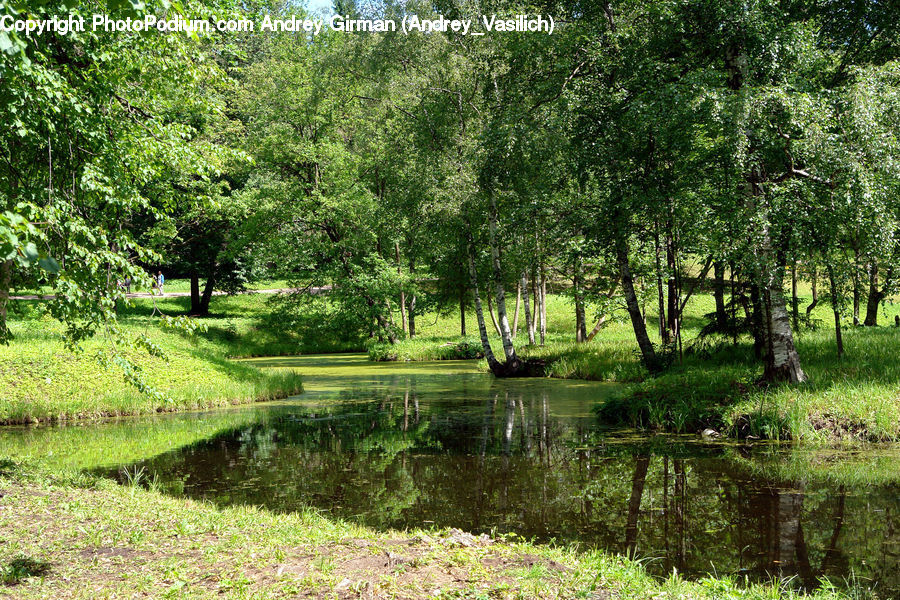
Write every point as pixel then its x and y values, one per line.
pixel 640 152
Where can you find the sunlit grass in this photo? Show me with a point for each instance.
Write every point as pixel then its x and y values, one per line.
pixel 42 379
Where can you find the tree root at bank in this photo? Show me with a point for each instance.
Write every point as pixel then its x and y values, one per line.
pixel 532 367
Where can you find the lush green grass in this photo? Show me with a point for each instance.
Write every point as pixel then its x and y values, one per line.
pixel 43 380
pixel 170 285
pixel 429 348
pixel 76 536
pixel 184 285
pixel 244 326
pixel 854 398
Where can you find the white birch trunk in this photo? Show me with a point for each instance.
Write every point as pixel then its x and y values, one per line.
pixel 509 348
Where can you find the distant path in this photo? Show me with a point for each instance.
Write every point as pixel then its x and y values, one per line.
pixel 314 290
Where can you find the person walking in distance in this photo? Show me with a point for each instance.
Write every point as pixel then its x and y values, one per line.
pixel 160 281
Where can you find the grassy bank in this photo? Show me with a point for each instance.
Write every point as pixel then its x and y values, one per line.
pixel 856 398
pixel 42 380
pixel 78 537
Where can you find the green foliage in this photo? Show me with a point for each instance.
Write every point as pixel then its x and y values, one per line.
pixel 427 348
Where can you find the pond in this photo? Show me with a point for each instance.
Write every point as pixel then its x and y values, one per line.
pixel 440 444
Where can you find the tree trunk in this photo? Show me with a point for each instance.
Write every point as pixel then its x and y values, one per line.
pixel 660 291
pixel 412 302
pixel 509 349
pixel 782 360
pixel 634 310
pixel 195 293
pixel 600 323
pixel 543 291
pixel 815 291
pixel 757 322
pixel 875 298
pixel 537 301
pixel 515 325
pixel 493 364
pixel 462 311
pixel 719 294
pixel 855 287
pixel 490 307
pixel 529 322
pixel 578 292
pixel 6 268
pixel 836 308
pixel 734 303
pixel 795 301
pixel 207 295
pixel 402 292
pixel 672 312
pixel 643 296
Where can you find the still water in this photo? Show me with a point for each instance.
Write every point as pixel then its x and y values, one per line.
pixel 440 444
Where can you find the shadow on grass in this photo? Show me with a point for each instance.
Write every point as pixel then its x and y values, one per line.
pixel 21 568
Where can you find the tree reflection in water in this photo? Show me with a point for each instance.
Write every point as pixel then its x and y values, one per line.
pixel 500 460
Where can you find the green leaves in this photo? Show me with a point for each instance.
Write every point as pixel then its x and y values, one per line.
pixel 16 243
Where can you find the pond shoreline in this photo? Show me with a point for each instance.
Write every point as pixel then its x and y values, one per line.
pixel 77 536
pixel 84 531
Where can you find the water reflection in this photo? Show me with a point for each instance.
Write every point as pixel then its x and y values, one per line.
pixel 517 457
